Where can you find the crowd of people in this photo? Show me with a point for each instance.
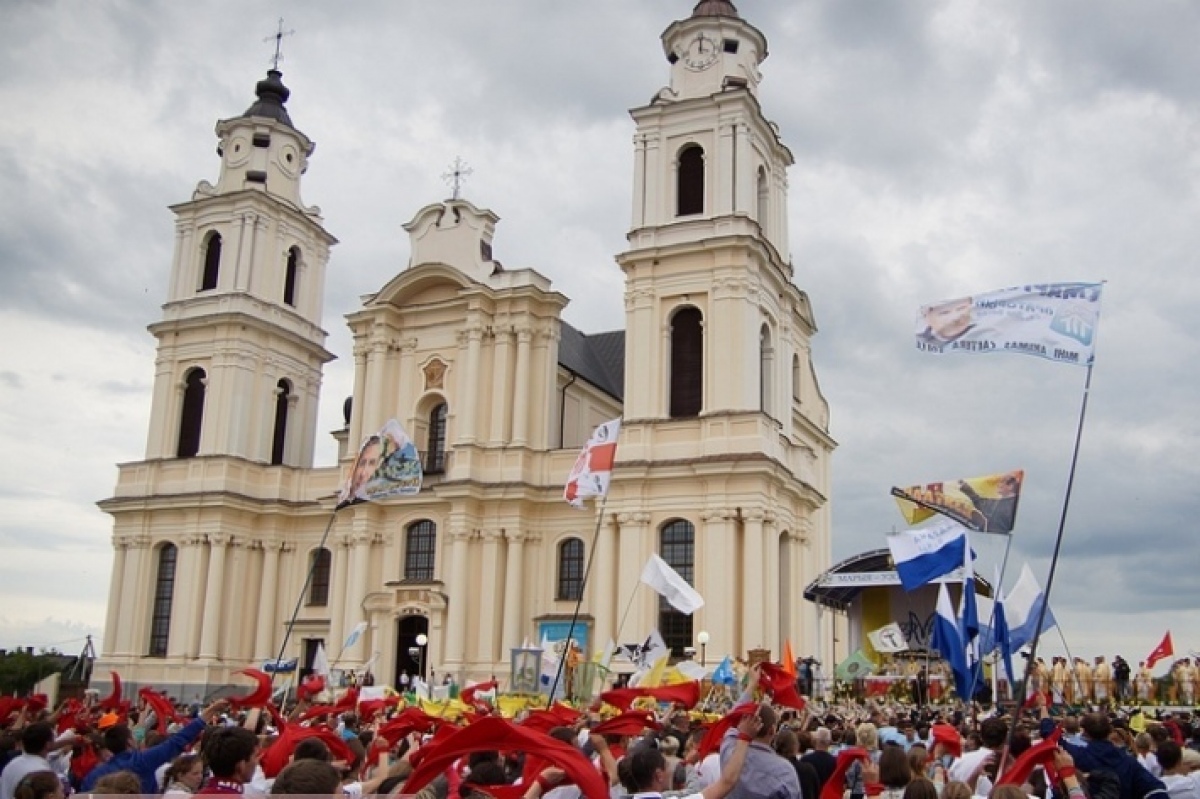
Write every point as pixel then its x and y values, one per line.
pixel 758 749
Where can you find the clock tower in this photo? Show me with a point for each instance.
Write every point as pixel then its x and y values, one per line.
pixel 723 419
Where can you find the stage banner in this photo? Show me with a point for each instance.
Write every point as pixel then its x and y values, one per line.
pixel 1055 321
pixel 985 504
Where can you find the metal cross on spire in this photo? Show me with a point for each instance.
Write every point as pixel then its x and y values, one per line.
pixel 278 38
pixel 457 176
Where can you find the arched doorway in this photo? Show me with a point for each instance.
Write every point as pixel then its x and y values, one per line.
pixel 411 659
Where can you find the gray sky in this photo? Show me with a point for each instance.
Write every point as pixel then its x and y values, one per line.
pixel 942 148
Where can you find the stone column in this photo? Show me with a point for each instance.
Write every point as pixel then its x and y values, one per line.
pixel 485 640
pixel 718 591
pixel 753 582
pixel 373 414
pixel 234 629
pixel 774 600
pixel 639 182
pixel 135 607
pixel 633 550
pixel 456 627
pixel 338 589
pixel 604 595
pixel 214 596
pixel 360 389
pixel 520 427
pixel 116 591
pixel 264 641
pixel 356 590
pixel 187 570
pixel 745 178
pixel 514 591
pixel 500 392
pixel 467 413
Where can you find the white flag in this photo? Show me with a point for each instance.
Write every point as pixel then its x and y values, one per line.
pixel 592 471
pixel 320 664
pixel 1056 321
pixel 659 575
pixel 355 634
pixel 889 638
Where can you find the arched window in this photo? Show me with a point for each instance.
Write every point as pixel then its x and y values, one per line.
pixel 212 262
pixel 191 416
pixel 763 199
pixel 766 369
pixel 283 398
pixel 570 569
pixel 420 550
pixel 290 276
pixel 677 546
pixel 164 593
pixel 796 377
pixel 687 362
pixel 690 181
pixel 435 449
pixel 318 586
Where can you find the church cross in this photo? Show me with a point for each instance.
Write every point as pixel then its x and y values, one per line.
pixel 457 176
pixel 278 38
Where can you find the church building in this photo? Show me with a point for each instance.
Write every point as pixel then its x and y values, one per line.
pixel 226 527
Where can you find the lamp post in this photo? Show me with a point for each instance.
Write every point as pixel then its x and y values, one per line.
pixel 422 642
pixel 702 639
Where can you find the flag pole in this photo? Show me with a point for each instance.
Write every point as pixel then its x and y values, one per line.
pixel 303 590
pixel 1062 523
pixel 587 570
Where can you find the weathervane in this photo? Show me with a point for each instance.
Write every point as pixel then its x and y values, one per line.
pixel 278 37
pixel 457 176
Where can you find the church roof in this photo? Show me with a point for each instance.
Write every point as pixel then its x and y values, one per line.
pixel 714 8
pixel 272 95
pixel 598 358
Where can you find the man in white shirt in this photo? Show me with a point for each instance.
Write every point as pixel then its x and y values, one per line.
pixel 993 732
pixel 1180 783
pixel 36 742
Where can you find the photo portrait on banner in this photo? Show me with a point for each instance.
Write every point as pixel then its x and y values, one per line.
pixel 984 504
pixel 387 465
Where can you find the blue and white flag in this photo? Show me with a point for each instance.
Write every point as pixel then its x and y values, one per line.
pixel 949 643
pixel 1056 321
pixel 723 674
pixel 354 635
pixel 927 553
pixel 969 624
pixel 1022 606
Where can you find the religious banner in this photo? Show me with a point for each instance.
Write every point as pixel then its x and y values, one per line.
pixel 1056 321
pixel 387 465
pixel 984 504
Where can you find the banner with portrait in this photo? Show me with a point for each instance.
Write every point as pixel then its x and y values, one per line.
pixel 388 465
pixel 1056 321
pixel 984 504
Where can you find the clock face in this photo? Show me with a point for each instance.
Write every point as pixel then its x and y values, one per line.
pixel 701 53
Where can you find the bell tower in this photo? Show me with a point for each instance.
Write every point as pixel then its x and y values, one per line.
pixel 723 415
pixel 240 344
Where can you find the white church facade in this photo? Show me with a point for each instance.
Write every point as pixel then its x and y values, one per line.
pixel 723 464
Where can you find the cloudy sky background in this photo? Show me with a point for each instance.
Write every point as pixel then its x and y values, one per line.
pixel 942 148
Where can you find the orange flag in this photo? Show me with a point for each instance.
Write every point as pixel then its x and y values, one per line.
pixel 1164 650
pixel 789 659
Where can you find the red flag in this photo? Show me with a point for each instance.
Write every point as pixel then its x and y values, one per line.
pixel 686 694
pixel 259 696
pixel 592 471
pixel 712 739
pixel 1165 649
pixel 164 711
pixel 113 700
pixel 468 694
pixel 279 753
pixel 781 685
pixel 1040 754
pixel 835 785
pixel 312 685
pixel 631 722
pixel 494 732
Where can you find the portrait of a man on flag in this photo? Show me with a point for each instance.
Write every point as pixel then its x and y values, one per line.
pixel 985 504
pixel 387 465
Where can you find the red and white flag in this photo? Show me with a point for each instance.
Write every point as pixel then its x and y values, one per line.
pixel 1164 650
pixel 593 468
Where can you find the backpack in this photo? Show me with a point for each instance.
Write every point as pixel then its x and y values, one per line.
pixel 1103 783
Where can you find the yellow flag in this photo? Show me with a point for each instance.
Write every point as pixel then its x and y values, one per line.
pixel 657 672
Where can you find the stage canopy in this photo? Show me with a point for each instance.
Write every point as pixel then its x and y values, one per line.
pixel 838 587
